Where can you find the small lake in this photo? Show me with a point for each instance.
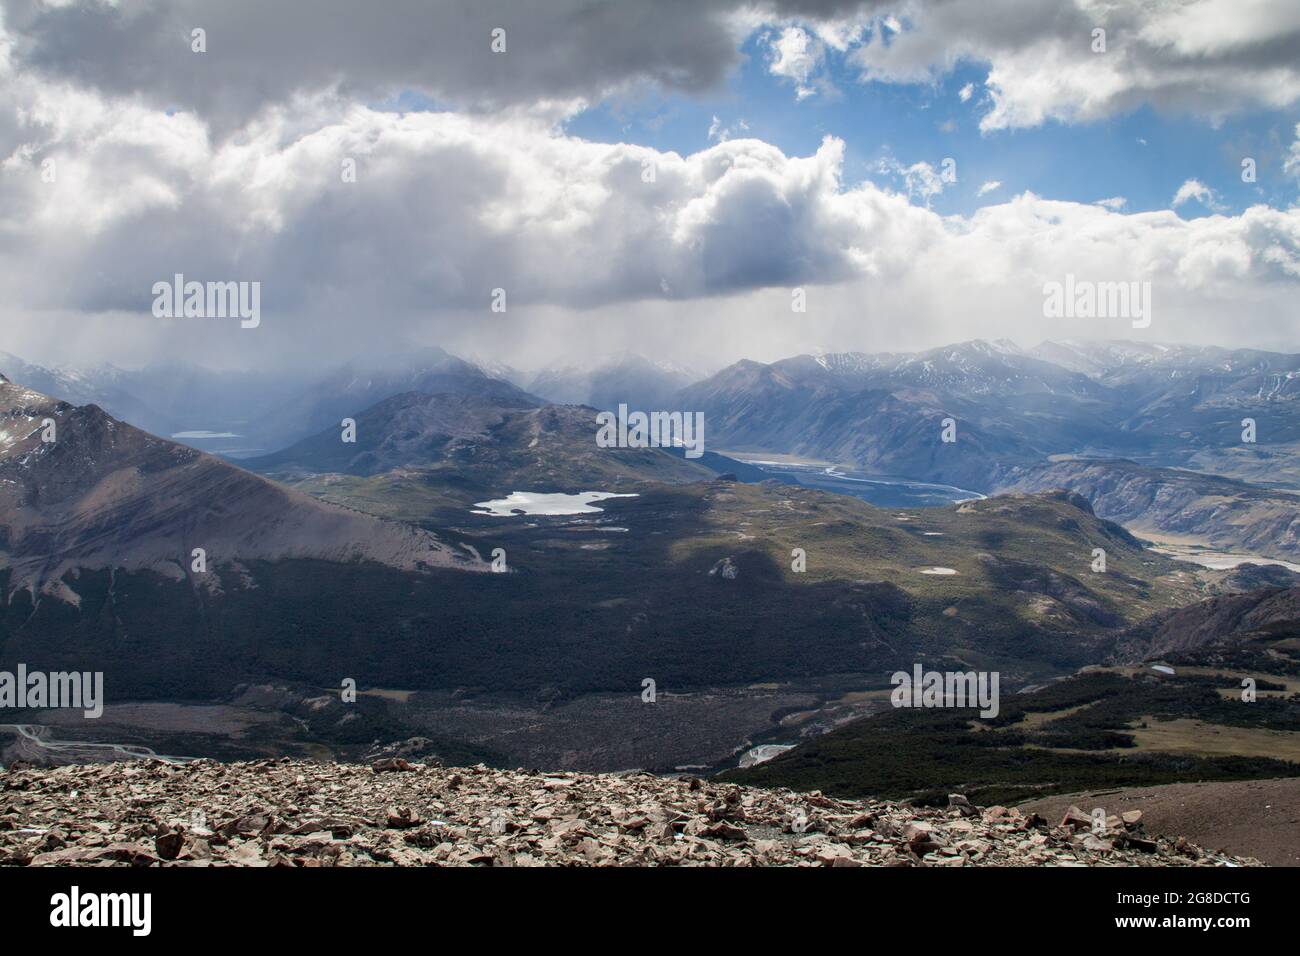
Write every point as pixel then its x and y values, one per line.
pixel 228 444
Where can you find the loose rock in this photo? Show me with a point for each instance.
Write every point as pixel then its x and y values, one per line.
pixel 398 813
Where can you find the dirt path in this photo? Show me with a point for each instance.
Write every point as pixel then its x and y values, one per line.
pixel 1259 818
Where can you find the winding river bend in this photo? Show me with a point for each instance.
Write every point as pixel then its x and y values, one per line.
pixel 883 492
pixel 81 751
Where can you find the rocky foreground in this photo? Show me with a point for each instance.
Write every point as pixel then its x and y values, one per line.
pixel 394 813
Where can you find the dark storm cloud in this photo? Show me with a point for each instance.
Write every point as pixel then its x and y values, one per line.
pixel 260 53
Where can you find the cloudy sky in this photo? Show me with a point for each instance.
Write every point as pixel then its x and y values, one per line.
pixel 651 176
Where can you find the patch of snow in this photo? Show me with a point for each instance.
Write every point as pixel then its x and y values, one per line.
pixel 536 503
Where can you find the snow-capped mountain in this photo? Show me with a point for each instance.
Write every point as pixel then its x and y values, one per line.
pixel 104 385
pixel 975 368
pixel 1248 371
pixel 1202 392
pixel 1167 403
pixel 500 370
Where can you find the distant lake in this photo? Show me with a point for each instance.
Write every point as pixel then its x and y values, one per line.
pixel 884 492
pixel 225 443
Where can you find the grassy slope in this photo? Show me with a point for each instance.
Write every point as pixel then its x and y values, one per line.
pixel 1023 562
pixel 987 542
pixel 445 491
pixel 589 607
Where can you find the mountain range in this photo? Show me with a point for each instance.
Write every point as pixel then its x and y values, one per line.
pixel 1162 405
pixel 883 412
pixel 1155 424
pixel 330 559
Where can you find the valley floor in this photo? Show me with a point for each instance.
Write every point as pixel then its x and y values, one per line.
pixel 702 730
pixel 1200 551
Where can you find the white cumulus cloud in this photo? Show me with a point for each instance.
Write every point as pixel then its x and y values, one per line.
pixel 1209 58
pixel 1194 189
pixel 798 56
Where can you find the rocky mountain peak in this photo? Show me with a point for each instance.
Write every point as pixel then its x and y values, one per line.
pixel 102 493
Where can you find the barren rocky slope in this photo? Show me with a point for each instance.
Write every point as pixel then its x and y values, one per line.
pixel 105 494
pixel 1227 620
pixel 287 813
pixel 1257 818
